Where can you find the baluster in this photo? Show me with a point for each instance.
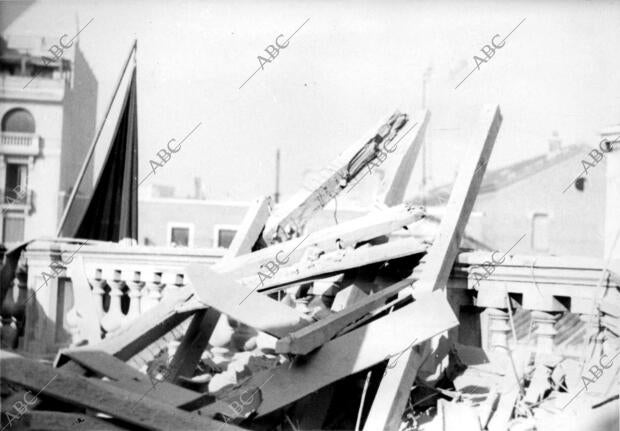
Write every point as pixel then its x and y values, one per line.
pixel 545 330
pixel 12 308
pixel 153 291
pixel 169 280
pixel 135 293
pixel 113 320
pixel 498 329
pixel 98 285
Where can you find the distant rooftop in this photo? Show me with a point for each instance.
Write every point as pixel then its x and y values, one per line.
pixel 28 56
pixel 508 175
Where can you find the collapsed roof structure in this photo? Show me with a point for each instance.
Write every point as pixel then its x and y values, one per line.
pixel 345 327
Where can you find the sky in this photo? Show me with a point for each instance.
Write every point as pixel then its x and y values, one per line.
pixel 348 67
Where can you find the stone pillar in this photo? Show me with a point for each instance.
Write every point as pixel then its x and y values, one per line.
pixel 98 292
pixel 153 295
pixel 114 318
pixel 499 327
pixel 545 331
pixel 135 293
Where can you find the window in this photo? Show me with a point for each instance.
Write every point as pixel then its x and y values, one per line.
pixel 180 234
pixel 16 183
pixel 540 232
pixel 18 120
pixel 224 235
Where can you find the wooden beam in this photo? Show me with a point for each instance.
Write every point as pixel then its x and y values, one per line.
pixel 398 165
pixel 60 421
pixel 353 352
pixel 315 335
pixel 244 303
pixel 193 345
pixel 96 395
pixel 339 261
pixel 145 329
pixel 126 377
pixel 250 228
pixel 344 234
pixel 437 264
pixel 435 267
pixel 409 366
pixel 339 175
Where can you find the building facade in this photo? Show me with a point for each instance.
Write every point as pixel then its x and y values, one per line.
pixel 48 116
pixel 546 205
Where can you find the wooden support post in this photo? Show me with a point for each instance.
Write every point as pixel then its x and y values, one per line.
pixel 345 234
pixel 392 411
pixel 315 335
pixel 250 228
pixel 339 261
pixel 194 343
pixel 244 304
pixel 125 376
pixel 399 164
pixel 336 177
pixel 436 265
pixel 353 352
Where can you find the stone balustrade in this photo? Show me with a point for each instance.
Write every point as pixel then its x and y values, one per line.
pixel 558 297
pixel 72 293
pixel 66 292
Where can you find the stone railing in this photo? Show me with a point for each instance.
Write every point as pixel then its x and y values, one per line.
pixel 70 292
pixel 555 301
pixel 66 292
pixel 19 143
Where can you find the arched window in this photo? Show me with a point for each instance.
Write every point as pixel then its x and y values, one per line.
pixel 18 120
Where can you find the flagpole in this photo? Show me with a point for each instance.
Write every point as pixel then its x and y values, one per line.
pixel 93 144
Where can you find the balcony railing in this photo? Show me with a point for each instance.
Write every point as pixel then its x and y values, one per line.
pixel 14 143
pixel 16 199
pixel 98 288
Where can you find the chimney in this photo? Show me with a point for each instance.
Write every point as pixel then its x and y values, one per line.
pixel 198 190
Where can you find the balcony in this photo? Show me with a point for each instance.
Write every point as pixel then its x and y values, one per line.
pixel 15 200
pixel 20 144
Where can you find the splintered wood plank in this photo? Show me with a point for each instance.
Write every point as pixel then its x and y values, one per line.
pixel 244 303
pixel 503 413
pixel 96 395
pixel 353 352
pixel 193 345
pixel 340 261
pixel 127 377
pixel 250 228
pixel 146 328
pixel 315 335
pixel 436 265
pixel 102 364
pixel 345 234
pixel 391 377
pixel 59 421
pixel 399 164
pixel 339 175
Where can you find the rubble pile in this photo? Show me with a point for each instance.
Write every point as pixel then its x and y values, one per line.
pixel 351 326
